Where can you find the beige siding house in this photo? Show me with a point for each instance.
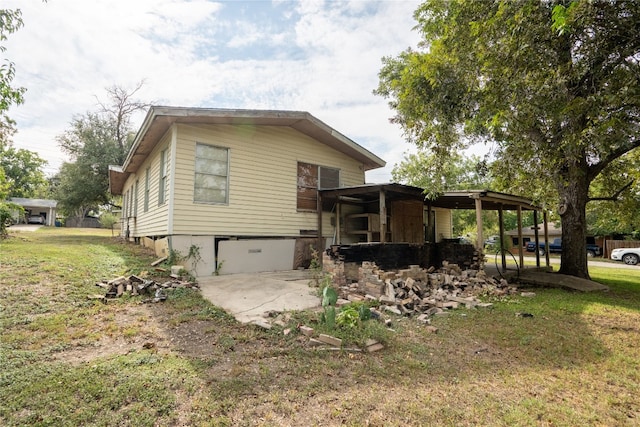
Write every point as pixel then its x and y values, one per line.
pixel 240 186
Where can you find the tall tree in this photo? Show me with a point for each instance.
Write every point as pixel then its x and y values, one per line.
pixel 94 141
pixel 22 171
pixel 555 85
pixel 10 21
pixel 428 171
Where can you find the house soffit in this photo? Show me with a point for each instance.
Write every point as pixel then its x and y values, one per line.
pixel 160 119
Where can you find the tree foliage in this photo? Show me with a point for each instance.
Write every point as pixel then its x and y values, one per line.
pixel 554 85
pixel 94 141
pixel 10 22
pixel 22 172
pixel 423 169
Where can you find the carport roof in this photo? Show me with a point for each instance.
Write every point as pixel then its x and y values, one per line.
pixel 34 203
pixel 491 200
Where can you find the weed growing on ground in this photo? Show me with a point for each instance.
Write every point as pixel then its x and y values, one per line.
pixel 69 361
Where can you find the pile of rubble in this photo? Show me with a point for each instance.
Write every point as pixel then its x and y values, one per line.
pixel 135 285
pixel 424 292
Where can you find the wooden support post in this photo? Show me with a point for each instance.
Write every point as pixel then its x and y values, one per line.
pixel 429 234
pixel 520 244
pixel 480 241
pixel 338 215
pixel 320 242
pixel 546 238
pixel 383 217
pixel 503 258
pixel 536 237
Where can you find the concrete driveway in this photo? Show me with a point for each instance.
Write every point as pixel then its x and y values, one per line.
pixel 248 296
pixel 24 227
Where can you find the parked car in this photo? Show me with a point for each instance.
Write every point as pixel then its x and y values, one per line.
pixel 630 256
pixel 556 247
pixel 35 219
pixel 492 240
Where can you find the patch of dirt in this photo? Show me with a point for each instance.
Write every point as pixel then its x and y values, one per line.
pixel 122 330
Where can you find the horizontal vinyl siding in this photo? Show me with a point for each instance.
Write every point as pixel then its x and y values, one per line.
pixel 154 222
pixel 262 181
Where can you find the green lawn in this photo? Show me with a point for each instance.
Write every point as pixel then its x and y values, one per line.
pixel 69 361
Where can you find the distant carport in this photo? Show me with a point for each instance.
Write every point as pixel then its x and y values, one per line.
pixel 42 207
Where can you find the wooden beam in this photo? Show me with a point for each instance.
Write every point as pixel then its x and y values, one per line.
pixel 320 242
pixel 480 238
pixel 520 243
pixel 536 237
pixel 383 216
pixel 338 215
pixel 501 225
pixel 546 238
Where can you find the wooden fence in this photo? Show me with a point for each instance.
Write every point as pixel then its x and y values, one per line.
pixel 610 245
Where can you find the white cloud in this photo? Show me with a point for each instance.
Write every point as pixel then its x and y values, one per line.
pixel 321 57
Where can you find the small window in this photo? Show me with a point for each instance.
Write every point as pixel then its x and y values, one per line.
pixel 211 179
pixel 329 178
pixel 146 190
pixel 135 199
pixel 162 181
pixel 310 178
pixel 307 186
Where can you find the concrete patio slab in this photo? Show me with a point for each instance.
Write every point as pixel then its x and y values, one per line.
pixel 248 296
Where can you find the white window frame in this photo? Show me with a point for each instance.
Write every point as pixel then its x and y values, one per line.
pixel 226 176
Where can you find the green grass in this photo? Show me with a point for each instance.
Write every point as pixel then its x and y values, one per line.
pixel 69 361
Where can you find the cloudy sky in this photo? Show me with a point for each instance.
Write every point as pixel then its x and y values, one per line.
pixel 317 56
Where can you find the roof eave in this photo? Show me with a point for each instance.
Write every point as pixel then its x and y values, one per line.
pixel 159 119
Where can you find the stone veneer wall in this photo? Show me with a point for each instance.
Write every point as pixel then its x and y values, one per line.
pixel 362 263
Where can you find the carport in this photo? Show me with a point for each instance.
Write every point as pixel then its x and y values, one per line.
pixel 407 204
pixel 480 200
pixel 42 207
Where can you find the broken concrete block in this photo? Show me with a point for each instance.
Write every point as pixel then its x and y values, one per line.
pixel 328 339
pixel 97 297
pixel 306 330
pixel 341 302
pixel 424 318
pixel 117 280
pixel 375 347
pixel 262 323
pixel 528 294
pixel 315 343
pixel 393 310
pixel 387 300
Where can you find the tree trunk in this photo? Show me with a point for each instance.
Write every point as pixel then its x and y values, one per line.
pixel 573 202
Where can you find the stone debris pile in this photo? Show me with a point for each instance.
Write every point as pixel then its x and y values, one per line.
pixel 134 285
pixel 423 292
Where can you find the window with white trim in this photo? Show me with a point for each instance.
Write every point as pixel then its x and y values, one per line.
pixel 135 199
pixel 146 190
pixel 211 180
pixel 162 181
